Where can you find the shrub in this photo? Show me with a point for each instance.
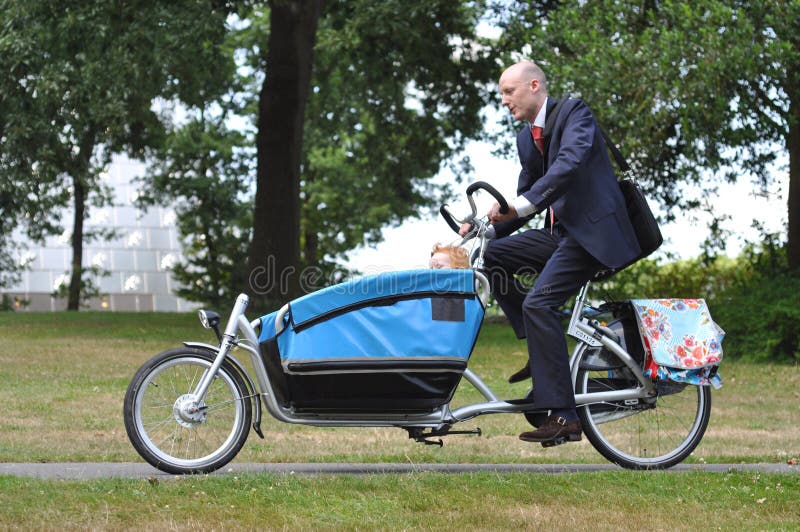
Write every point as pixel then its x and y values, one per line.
pixel 761 319
pixel 681 279
pixel 761 314
pixel 754 297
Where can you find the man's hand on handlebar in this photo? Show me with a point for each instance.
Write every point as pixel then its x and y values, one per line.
pixel 469 228
pixel 495 217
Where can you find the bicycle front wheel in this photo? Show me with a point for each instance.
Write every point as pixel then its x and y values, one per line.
pixel 642 434
pixel 174 432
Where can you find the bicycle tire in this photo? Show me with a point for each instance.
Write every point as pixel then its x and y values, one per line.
pixel 642 434
pixel 174 442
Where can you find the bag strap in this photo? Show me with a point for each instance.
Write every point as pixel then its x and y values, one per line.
pixel 551 116
pixel 551 119
pixel 621 162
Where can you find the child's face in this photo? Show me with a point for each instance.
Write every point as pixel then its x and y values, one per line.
pixel 440 260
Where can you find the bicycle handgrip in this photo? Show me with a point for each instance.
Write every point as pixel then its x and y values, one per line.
pixel 491 190
pixel 449 218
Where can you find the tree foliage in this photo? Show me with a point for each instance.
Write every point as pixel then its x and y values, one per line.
pixel 396 91
pixel 203 172
pixel 696 92
pixel 79 81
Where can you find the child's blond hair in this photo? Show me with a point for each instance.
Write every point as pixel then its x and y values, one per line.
pixel 458 255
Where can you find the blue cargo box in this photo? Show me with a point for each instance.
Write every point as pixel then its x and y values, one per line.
pixel 405 335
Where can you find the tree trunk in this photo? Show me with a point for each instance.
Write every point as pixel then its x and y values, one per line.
pixel 310 238
pixel 81 191
pixel 74 298
pixel 273 262
pixel 793 147
pixel 311 248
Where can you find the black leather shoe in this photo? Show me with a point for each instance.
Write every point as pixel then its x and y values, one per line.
pixel 555 431
pixel 521 375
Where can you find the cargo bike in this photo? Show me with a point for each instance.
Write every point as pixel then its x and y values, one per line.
pixel 389 350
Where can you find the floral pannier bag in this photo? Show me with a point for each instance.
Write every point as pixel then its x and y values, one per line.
pixel 681 341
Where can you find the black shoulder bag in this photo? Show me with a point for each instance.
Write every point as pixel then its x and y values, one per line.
pixel 644 223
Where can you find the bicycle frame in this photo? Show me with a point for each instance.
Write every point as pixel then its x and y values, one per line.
pixel 611 385
pixel 588 333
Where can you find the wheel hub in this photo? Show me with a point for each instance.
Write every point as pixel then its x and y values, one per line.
pixel 188 411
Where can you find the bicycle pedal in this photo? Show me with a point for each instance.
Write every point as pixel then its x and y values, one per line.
pixel 555 441
pixel 561 440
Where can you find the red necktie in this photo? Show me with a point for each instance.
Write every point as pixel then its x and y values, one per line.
pixel 538 140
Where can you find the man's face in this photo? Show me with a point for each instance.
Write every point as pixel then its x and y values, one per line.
pixel 522 98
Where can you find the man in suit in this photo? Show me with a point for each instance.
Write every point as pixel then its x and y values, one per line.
pixel 568 174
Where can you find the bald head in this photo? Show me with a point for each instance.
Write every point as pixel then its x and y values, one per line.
pixel 523 89
pixel 525 72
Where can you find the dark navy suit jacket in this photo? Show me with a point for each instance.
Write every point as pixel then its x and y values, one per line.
pixel 577 180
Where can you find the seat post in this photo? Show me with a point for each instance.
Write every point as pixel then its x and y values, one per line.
pixel 581 297
pixel 577 308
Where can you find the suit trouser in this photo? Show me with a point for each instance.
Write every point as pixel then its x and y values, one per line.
pixel 563 266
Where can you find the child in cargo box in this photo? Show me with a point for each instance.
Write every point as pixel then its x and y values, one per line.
pixel 449 257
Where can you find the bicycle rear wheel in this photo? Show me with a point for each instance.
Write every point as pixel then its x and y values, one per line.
pixel 642 434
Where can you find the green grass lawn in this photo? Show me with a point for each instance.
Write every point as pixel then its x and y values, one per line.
pixel 64 376
pixel 617 500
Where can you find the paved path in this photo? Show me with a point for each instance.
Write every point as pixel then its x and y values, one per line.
pixel 136 470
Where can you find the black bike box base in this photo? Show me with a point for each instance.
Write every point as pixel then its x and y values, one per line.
pixel 349 389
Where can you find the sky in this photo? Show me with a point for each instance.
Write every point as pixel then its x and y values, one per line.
pixel 408 246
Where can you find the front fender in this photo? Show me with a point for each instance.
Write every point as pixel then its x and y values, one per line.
pixel 245 376
pixel 201 345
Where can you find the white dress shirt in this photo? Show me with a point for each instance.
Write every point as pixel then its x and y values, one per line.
pixel 521 203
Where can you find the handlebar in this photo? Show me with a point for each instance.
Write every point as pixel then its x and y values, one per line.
pixel 454 222
pixel 449 218
pixel 491 190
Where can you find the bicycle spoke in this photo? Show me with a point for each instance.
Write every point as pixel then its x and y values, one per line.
pixel 173 432
pixel 648 434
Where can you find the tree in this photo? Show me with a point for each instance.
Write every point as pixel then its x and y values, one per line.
pixel 203 172
pixel 79 81
pixel 392 104
pixel 279 142
pixel 395 92
pixel 692 91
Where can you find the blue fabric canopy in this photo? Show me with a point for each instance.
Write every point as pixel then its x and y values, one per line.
pixel 393 321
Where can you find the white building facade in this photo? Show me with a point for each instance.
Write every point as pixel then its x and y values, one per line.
pixel 137 260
